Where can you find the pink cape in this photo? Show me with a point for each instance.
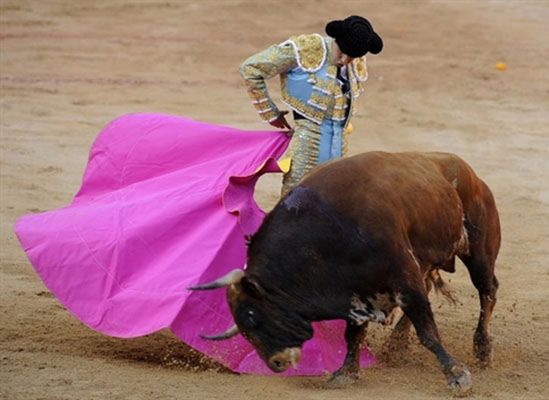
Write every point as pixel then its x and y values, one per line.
pixel 165 203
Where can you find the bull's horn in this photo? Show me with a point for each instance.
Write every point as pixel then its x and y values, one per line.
pixel 229 333
pixel 232 277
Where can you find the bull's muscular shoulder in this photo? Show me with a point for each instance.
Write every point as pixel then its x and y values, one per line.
pixel 394 187
pixel 377 171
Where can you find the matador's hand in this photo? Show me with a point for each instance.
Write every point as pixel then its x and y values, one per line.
pixel 281 122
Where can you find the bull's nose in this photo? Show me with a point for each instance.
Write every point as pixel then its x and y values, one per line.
pixel 284 359
pixel 278 365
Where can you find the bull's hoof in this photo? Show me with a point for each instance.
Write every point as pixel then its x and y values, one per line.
pixel 459 380
pixel 483 351
pixel 341 379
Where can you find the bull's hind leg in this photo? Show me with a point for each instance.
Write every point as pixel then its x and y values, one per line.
pixel 482 275
pixel 348 373
pixel 416 306
pixel 482 223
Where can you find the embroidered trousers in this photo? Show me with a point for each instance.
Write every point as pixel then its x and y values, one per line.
pixel 311 145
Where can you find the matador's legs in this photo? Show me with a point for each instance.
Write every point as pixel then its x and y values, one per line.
pixel 304 150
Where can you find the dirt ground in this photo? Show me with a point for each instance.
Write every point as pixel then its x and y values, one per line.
pixel 69 67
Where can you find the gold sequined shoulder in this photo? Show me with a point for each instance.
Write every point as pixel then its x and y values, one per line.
pixel 310 51
pixel 360 69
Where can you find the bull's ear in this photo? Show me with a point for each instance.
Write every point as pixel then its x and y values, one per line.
pixel 251 287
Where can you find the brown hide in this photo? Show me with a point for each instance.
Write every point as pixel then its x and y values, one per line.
pixel 358 237
pixel 416 200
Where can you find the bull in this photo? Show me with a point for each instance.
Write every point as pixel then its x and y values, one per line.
pixel 358 238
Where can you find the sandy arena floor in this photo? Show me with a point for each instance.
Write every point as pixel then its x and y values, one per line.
pixel 69 67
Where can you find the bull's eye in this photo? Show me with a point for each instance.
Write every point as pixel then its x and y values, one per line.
pixel 248 317
pixel 251 318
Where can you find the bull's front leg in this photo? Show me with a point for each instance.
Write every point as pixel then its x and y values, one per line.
pixel 348 373
pixel 417 307
pixel 398 341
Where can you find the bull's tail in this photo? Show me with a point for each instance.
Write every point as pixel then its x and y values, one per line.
pixel 442 287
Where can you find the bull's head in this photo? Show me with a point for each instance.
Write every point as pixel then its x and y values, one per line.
pixel 276 332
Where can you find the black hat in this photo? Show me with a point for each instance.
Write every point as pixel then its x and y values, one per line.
pixel 355 36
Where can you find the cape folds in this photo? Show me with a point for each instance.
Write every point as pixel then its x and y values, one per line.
pixel 165 203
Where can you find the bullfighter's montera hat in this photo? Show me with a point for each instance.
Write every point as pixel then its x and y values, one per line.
pixel 355 36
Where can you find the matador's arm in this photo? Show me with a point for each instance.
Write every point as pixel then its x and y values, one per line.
pixel 275 60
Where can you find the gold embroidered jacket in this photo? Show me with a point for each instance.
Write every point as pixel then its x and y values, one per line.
pixel 308 79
